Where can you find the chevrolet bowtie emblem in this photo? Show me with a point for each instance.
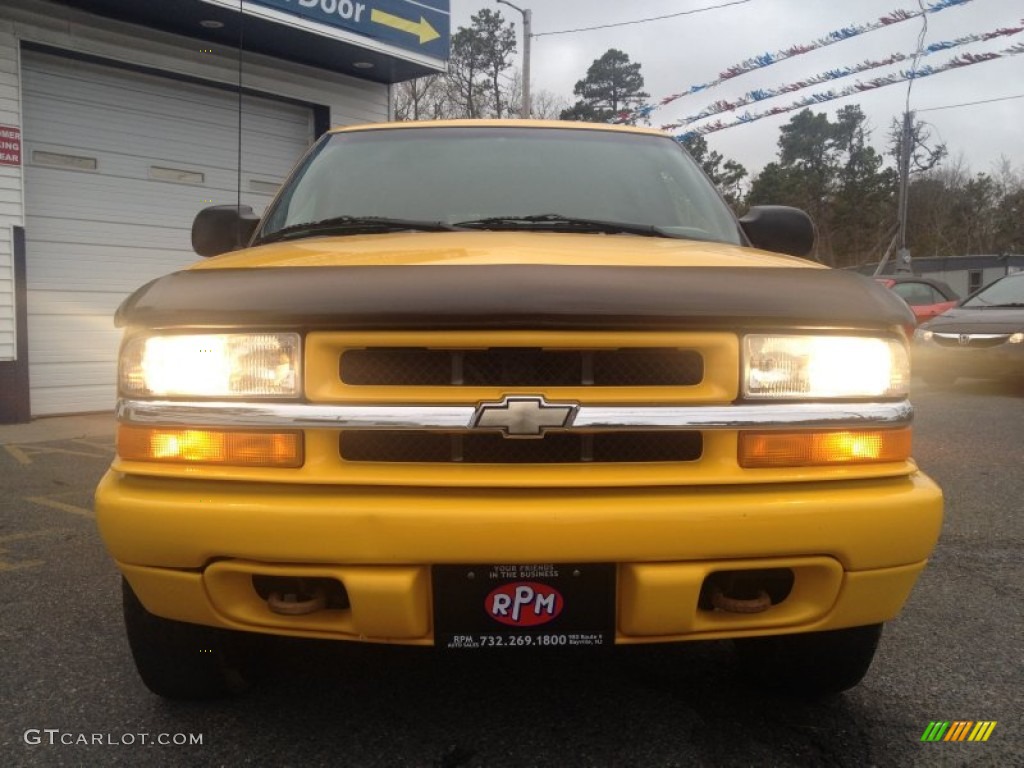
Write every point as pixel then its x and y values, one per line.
pixel 527 416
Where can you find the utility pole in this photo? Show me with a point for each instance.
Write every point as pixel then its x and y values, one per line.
pixel 524 112
pixel 906 149
pixel 902 204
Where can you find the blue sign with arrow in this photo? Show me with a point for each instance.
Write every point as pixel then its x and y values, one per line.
pixel 420 26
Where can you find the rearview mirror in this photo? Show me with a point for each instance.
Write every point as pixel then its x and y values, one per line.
pixel 779 228
pixel 222 228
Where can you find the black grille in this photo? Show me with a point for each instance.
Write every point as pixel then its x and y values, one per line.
pixel 522 367
pixel 555 448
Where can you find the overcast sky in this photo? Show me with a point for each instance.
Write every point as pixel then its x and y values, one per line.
pixel 687 50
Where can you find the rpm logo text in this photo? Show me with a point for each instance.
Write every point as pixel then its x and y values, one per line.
pixel 524 604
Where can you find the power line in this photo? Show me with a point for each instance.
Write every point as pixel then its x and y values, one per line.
pixel 972 103
pixel 642 21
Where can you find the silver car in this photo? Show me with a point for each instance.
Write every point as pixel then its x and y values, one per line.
pixel 982 337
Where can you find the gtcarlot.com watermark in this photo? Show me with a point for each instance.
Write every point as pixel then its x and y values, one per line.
pixel 55 737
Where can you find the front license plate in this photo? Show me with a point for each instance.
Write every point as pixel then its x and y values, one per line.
pixel 524 606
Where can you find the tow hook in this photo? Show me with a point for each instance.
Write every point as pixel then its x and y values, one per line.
pixel 298 602
pixel 722 602
pixel 738 592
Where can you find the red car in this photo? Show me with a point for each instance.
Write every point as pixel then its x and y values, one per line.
pixel 926 297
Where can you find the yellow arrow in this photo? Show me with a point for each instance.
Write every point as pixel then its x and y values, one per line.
pixel 421 28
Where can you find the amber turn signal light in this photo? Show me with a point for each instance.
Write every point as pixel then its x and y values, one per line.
pixel 809 449
pixel 205 446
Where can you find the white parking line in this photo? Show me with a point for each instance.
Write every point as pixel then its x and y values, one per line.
pixel 23 453
pixel 6 565
pixel 63 506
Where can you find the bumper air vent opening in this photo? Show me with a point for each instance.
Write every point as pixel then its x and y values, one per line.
pixel 521 367
pixel 401 446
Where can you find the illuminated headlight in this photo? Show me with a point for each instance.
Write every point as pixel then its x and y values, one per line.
pixel 1017 338
pixel 211 365
pixel 923 336
pixel 811 367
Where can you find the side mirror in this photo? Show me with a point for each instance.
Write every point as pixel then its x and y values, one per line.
pixel 779 228
pixel 222 228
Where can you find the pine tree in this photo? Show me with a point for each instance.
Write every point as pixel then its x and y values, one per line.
pixel 613 85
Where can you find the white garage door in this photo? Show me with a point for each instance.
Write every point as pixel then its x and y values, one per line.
pixel 117 164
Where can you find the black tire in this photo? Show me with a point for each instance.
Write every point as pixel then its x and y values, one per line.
pixel 177 660
pixel 811 665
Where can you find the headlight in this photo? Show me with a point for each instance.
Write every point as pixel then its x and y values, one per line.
pixel 923 336
pixel 1017 338
pixel 211 365
pixel 811 367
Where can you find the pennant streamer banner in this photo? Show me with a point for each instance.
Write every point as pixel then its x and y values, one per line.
pixel 964 60
pixel 761 94
pixel 767 59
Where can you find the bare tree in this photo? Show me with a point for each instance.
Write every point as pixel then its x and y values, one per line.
pixel 421 99
pixel 545 105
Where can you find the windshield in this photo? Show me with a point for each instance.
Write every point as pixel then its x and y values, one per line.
pixel 1005 292
pixel 497 178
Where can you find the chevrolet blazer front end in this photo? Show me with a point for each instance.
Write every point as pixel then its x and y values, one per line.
pixel 531 435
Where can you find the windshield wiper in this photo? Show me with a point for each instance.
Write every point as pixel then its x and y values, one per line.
pixel 1011 305
pixel 557 222
pixel 353 225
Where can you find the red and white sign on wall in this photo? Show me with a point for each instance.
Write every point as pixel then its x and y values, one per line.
pixel 10 145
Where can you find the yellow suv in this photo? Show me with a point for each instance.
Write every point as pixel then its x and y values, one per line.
pixel 512 384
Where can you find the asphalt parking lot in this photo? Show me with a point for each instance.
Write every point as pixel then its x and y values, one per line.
pixel 955 654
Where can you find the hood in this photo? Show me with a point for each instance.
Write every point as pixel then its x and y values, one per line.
pixel 490 248
pixel 970 320
pixel 533 296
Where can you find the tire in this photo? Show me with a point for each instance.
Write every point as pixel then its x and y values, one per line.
pixel 812 665
pixel 177 660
